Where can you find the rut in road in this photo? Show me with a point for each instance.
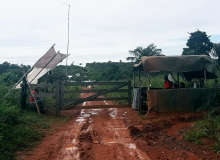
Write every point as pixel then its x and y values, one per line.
pixel 100 134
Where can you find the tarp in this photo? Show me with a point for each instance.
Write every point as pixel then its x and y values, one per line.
pixel 185 63
pixel 135 103
pixel 46 63
pixel 184 99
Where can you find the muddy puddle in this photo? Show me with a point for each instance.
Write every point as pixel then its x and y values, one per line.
pixel 119 134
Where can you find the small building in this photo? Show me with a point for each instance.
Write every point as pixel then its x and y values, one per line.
pixel 193 67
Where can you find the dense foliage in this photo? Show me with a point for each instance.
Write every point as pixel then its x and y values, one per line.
pixel 198 44
pixel 19 129
pixel 109 71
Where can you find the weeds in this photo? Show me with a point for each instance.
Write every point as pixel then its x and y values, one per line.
pixel 199 141
pixel 207 128
pixel 22 130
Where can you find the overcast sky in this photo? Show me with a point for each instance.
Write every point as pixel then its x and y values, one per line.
pixel 101 30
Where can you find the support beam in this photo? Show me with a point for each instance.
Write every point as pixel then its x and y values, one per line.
pixel 148 76
pixel 139 91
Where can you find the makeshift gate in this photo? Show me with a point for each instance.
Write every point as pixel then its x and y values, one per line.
pixel 62 92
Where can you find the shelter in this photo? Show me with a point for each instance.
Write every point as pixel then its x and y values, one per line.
pixel 179 99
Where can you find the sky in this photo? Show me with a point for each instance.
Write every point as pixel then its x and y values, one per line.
pixel 101 30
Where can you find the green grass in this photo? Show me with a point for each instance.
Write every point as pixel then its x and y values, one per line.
pixel 22 130
pixel 207 128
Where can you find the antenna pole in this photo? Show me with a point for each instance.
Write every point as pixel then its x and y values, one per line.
pixel 68 37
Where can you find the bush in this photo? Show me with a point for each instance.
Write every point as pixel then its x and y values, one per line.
pixel 21 130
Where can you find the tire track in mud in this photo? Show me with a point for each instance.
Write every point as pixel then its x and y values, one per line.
pixel 107 138
pixel 101 134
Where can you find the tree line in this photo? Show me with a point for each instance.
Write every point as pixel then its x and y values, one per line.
pixel 199 43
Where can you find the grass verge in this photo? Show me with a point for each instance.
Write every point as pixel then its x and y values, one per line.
pixel 22 130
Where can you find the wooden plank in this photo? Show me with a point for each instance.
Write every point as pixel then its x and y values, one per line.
pixel 44 95
pixel 42 85
pixel 93 91
pixel 92 83
pixel 100 107
pixel 95 99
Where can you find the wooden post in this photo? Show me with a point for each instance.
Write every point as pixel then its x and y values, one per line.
pixel 23 93
pixel 205 78
pixel 133 79
pixel 62 95
pixel 148 76
pixel 178 80
pixel 57 86
pixel 139 90
pixel 129 93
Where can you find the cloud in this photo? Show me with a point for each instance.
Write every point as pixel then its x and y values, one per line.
pixel 101 30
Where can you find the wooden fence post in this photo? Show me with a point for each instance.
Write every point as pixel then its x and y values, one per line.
pixel 23 93
pixel 129 93
pixel 62 95
pixel 57 86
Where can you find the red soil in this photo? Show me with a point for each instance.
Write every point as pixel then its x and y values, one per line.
pixel 121 134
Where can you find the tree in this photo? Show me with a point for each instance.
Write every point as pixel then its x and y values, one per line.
pixel 139 52
pixel 198 44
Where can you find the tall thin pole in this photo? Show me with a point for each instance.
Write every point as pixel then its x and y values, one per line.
pixel 68 37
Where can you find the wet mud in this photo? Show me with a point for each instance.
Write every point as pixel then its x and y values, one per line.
pixel 121 134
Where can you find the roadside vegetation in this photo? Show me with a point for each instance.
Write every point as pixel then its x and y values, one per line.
pixel 207 128
pixel 21 129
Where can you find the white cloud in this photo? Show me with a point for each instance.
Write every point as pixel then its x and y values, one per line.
pixel 100 30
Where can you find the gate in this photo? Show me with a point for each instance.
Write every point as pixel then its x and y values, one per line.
pixel 72 103
pixel 62 92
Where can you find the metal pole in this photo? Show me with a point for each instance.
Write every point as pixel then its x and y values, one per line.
pixel 68 37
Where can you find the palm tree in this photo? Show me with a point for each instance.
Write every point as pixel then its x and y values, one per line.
pixel 139 52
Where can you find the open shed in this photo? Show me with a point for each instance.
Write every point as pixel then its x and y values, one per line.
pixel 178 99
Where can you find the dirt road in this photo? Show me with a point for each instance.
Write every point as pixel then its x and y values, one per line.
pixel 120 134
